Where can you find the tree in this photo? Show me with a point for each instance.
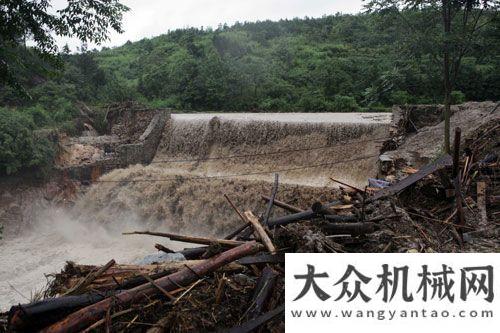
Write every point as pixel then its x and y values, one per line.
pixel 31 20
pixel 460 23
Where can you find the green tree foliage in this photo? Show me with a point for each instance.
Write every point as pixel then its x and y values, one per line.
pixel 22 20
pixel 445 31
pixel 298 65
pixel 335 63
pixel 20 148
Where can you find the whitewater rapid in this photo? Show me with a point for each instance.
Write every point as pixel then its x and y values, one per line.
pixel 168 198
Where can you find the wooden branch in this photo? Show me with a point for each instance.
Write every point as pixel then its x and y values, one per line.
pixel 84 317
pixel 163 291
pixel 242 218
pixel 345 184
pixel 263 291
pixel 189 239
pixel 271 201
pixel 243 227
pixel 260 231
pixel 162 248
pixel 79 287
pixel 220 289
pixel 282 204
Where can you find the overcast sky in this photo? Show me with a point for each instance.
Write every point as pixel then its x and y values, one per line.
pixel 149 18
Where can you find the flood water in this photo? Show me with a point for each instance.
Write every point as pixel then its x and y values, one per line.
pixel 200 158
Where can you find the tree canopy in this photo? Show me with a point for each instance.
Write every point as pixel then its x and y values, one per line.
pixel 24 21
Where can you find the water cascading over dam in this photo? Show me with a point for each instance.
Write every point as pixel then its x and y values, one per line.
pixel 200 158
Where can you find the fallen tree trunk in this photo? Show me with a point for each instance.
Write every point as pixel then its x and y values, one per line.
pixel 90 314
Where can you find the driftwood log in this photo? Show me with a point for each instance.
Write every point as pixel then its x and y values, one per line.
pixel 189 239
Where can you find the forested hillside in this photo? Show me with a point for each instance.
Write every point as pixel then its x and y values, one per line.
pixel 336 63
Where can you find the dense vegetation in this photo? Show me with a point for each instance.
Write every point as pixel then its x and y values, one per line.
pixel 335 63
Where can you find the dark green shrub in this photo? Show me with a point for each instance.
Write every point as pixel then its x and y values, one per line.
pixel 345 104
pixel 400 98
pixel 19 149
pixel 457 97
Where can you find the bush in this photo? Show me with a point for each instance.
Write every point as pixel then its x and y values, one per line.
pixel 19 149
pixel 400 98
pixel 39 115
pixel 345 104
pixel 457 97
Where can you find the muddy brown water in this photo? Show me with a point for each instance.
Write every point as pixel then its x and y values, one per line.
pixel 187 196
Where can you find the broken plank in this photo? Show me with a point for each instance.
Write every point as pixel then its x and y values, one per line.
pixel 443 162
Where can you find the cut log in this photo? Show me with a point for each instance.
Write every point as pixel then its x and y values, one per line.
pixel 260 231
pixel 283 205
pixel 84 317
pixel 188 239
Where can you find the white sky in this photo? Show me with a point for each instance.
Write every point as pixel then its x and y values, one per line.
pixel 149 18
